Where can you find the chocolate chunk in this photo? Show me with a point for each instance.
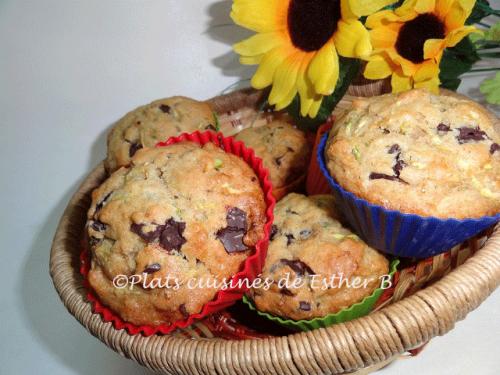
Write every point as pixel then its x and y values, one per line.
pixel 289 239
pixel 171 238
pixel 386 131
pixel 304 306
pixel 443 128
pixel 289 149
pixel 394 149
pixel 494 147
pixel 183 310
pixel 98 226
pixel 232 239
pixel 165 108
pixel 236 218
pixel 382 176
pixel 232 236
pixel 398 167
pixel 134 147
pixel 470 134
pixel 152 268
pixel 306 233
pixel 289 211
pixel 278 160
pixel 286 292
pixel 210 127
pixel 93 241
pixel 146 236
pixel 101 204
pixel 299 267
pixel 274 232
pixel 254 179
pixel 221 142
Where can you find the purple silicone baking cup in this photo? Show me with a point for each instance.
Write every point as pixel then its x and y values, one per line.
pixel 396 233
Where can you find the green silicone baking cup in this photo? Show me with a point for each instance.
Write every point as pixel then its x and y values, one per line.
pixel 353 312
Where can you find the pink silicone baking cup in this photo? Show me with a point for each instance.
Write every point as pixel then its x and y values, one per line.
pixel 251 268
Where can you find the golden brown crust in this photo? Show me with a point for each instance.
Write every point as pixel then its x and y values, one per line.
pixel 169 212
pixel 308 239
pixel 147 125
pixel 419 153
pixel 284 150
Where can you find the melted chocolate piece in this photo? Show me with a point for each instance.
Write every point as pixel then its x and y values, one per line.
pixel 274 232
pixel 383 176
pixel 165 108
pixel 470 134
pixel 394 148
pixel 232 239
pixel 398 167
pixel 299 267
pixel 494 147
pixel 210 127
pixel 443 128
pixel 134 147
pixel 289 149
pixel 183 310
pixel 221 142
pixel 278 160
pixel 386 131
pixel 101 204
pixel 146 236
pixel 304 306
pixel 236 218
pixel 286 292
pixel 171 238
pixel 98 226
pixel 289 239
pixel 152 268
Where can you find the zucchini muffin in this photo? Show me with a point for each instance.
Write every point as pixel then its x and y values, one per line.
pixel 149 124
pixel 419 153
pixel 307 240
pixel 179 212
pixel 284 151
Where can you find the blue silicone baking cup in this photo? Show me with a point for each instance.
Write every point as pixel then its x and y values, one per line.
pixel 397 233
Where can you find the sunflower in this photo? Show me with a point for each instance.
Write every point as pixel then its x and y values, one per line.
pixel 408 42
pixel 298 42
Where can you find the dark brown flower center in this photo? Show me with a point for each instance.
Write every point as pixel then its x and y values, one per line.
pixel 413 34
pixel 311 23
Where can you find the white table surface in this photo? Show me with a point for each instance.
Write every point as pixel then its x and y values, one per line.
pixel 68 70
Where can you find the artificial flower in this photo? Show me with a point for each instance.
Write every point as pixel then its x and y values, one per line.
pixel 408 42
pixel 298 43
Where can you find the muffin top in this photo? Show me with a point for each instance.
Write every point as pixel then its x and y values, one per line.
pixel 308 240
pixel 419 153
pixel 149 124
pixel 283 149
pixel 184 211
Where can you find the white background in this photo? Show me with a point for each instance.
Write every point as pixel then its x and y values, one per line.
pixel 68 70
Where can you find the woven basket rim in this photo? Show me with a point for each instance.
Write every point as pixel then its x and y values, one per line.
pixel 337 349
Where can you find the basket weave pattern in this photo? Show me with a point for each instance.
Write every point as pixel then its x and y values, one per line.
pixel 371 341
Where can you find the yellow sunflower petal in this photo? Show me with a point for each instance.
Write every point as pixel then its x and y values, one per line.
pixel 432 85
pixel 258 44
pixel 285 80
pixel 443 7
pixel 427 70
pixel 315 106
pixel 377 68
pixel 251 60
pixel 381 18
pixel 458 14
pixel 400 82
pixel 352 39
pixel 418 6
pixel 260 15
pixel 324 70
pixel 365 7
pixel 306 91
pixel 265 72
pixel 453 38
pixel 408 67
pixel 383 37
pixel 433 48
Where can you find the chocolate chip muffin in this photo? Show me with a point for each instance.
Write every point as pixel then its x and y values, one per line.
pixel 284 151
pixel 180 212
pixel 149 124
pixel 308 240
pixel 419 153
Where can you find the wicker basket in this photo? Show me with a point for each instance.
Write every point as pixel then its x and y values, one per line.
pixel 361 346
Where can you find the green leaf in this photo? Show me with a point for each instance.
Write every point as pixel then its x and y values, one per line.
pixel 455 62
pixel 479 12
pixel 493 33
pixel 491 89
pixel 348 70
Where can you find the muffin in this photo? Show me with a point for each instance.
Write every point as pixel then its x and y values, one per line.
pixel 284 151
pixel 149 124
pixel 307 239
pixel 419 153
pixel 183 212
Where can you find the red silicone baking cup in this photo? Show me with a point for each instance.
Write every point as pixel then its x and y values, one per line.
pixel 252 266
pixel 316 182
